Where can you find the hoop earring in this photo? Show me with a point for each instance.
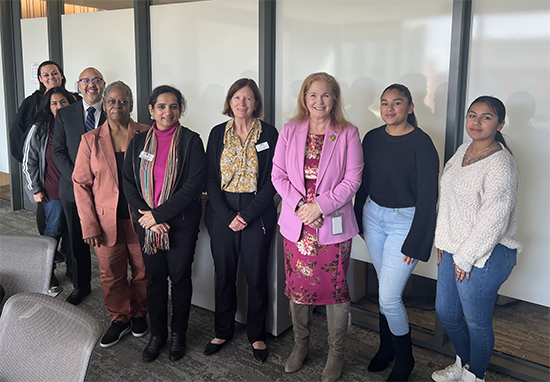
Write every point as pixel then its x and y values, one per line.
pixel 152 119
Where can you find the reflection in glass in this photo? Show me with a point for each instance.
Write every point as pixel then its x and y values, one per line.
pixel 510 59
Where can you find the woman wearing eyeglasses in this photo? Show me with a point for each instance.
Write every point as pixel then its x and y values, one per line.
pixel 105 217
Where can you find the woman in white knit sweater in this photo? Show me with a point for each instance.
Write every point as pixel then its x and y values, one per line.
pixel 475 238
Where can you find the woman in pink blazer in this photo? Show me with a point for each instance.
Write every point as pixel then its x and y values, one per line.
pixel 317 170
pixel 105 217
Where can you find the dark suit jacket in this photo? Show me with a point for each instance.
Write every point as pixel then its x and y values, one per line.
pixel 69 128
pixel 96 182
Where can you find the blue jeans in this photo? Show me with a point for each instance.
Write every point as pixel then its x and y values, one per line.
pixel 475 299
pixel 56 225
pixel 385 232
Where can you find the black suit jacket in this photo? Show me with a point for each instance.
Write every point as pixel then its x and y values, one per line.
pixel 69 128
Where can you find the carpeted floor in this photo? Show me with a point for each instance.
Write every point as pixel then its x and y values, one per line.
pixel 122 362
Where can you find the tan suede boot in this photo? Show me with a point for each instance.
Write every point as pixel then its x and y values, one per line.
pixel 338 321
pixel 301 323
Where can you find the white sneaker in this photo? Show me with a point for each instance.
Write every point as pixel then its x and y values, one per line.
pixel 450 373
pixel 468 376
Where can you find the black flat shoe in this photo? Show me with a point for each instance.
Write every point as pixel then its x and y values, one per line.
pixel 177 347
pixel 213 348
pixel 152 350
pixel 260 355
pixel 78 295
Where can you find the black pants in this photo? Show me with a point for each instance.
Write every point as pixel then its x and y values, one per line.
pixel 82 262
pixel 175 263
pixel 254 244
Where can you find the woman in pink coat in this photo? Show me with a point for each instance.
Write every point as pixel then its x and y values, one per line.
pixel 317 170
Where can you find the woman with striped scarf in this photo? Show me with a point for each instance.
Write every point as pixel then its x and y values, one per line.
pixel 163 180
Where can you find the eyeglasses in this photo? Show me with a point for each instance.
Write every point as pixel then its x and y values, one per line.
pixel 87 80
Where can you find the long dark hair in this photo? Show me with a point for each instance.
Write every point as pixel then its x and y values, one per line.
pixel 44 114
pixel 42 88
pixel 499 109
pixel 411 118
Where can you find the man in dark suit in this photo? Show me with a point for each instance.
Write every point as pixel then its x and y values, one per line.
pixel 70 124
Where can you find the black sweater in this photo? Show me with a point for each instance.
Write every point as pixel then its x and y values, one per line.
pixel 262 205
pixel 184 202
pixel 402 171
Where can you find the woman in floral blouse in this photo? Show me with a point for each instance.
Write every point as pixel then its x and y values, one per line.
pixel 317 170
pixel 240 213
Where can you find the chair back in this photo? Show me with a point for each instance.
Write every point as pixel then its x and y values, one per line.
pixel 26 263
pixel 45 339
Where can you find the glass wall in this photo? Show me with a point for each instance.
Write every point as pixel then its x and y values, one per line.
pixel 202 48
pixel 103 40
pixel 510 59
pixel 368 45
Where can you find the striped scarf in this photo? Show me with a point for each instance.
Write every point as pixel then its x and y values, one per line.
pixel 158 241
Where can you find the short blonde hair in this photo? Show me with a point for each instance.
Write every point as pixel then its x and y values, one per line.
pixel 337 118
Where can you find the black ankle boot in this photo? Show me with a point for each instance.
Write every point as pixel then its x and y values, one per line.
pixel 152 350
pixel 385 354
pixel 177 347
pixel 404 360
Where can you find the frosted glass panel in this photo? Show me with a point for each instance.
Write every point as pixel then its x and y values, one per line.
pixel 202 48
pixel 34 38
pixel 510 59
pixel 368 45
pixel 104 40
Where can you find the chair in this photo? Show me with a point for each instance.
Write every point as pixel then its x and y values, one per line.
pixel 26 263
pixel 45 339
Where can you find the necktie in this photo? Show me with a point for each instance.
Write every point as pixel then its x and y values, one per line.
pixel 90 119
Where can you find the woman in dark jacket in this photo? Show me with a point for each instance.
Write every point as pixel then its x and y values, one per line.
pixel 40 174
pixel 50 75
pixel 240 214
pixel 163 179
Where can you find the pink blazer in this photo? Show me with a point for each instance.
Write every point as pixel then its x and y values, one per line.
pixel 338 179
pixel 95 180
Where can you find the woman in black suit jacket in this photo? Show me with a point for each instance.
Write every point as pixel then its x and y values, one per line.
pixel 240 213
pixel 167 210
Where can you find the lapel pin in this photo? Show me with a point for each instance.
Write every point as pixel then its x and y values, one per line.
pixel 332 137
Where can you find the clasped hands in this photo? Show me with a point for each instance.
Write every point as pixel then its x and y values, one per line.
pixel 310 214
pixel 147 221
pixel 238 223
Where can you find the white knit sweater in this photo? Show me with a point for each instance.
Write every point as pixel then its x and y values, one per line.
pixel 477 208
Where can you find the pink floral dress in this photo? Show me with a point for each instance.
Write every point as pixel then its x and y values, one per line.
pixel 315 274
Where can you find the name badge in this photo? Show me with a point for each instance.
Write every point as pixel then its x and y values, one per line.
pixel 337 224
pixel 262 146
pixel 147 156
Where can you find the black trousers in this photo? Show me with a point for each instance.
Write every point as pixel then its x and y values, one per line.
pixel 82 262
pixel 254 244
pixel 175 263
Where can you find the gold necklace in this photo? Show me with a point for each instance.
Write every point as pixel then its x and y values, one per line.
pixel 479 152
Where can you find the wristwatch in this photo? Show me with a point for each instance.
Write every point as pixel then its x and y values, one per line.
pixel 300 204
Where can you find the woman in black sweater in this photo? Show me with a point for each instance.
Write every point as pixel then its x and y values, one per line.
pixel 396 212
pixel 240 214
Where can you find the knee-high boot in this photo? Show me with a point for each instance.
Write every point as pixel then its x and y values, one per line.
pixel 385 353
pixel 338 321
pixel 404 360
pixel 301 324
